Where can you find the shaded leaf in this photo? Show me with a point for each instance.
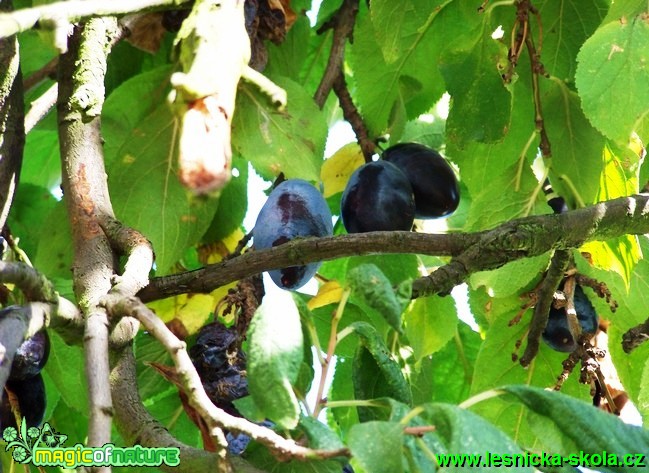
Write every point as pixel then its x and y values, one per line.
pixel 371 286
pixel 592 430
pixel 375 373
pixel 274 356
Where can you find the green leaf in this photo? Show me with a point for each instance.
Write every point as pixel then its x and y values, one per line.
pixel 30 208
pixel 65 366
pixel 512 278
pixel 619 178
pixel 430 323
pixel 494 366
pixel 274 357
pixel 54 253
pixel 446 376
pixel 371 286
pixel 145 171
pixel 320 436
pixel 612 80
pixel 375 373
pixel 592 430
pixel 233 204
pixel 408 76
pixel 129 105
pixel 480 103
pixel 377 446
pixel 490 208
pixel 576 146
pixel 562 39
pixel 42 164
pixel 290 141
pixel 466 433
pixel 139 131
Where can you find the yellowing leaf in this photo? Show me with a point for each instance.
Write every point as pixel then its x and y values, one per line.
pixel 215 252
pixel 193 310
pixel 619 255
pixel 329 293
pixel 336 170
pixel 619 178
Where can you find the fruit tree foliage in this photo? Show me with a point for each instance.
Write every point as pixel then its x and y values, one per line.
pixel 568 101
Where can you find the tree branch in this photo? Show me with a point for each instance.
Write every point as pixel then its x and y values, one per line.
pixel 12 113
pixel 81 94
pixel 41 107
pixel 298 252
pixel 137 426
pixel 558 266
pixel 53 14
pixel 190 382
pixel 635 336
pixel 343 26
pixel 480 251
pixel 16 324
pixel 350 112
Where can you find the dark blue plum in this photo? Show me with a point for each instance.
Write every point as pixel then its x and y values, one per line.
pixel 437 193
pixel 294 209
pixel 378 197
pixel 557 334
pixel 31 401
pixel 31 356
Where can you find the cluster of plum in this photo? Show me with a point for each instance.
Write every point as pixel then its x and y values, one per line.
pixel 409 181
pixel 557 333
pixel 221 365
pixel 25 382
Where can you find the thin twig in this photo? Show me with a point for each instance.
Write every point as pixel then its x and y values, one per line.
pixel 545 294
pixel 350 112
pixel 343 25
pixel 331 347
pixel 48 70
pixel 41 107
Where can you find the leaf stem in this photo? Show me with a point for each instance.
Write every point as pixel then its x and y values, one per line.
pixel 483 396
pixel 333 340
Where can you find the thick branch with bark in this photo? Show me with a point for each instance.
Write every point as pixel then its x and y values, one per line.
pixel 471 252
pixel 81 73
pixel 12 113
pixel 55 15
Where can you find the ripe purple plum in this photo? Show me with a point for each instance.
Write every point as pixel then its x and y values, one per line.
pixel 557 334
pixel 294 209
pixel 378 197
pixel 31 356
pixel 437 193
